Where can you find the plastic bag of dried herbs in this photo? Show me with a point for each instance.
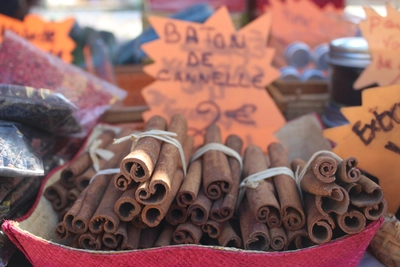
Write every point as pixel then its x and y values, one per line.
pixel 22 63
pixel 17 158
pixel 39 108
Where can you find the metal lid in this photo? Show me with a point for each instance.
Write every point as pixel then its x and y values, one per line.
pixel 349 52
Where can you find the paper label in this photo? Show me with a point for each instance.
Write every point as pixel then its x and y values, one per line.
pixel 213 74
pixel 372 136
pixel 52 37
pixel 303 20
pixel 383 37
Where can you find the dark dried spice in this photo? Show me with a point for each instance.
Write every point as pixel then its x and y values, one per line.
pixel 39 108
pixel 17 158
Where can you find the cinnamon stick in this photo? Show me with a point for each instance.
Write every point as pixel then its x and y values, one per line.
pixel 139 164
pixel 212 228
pixel 347 171
pixel 73 194
pixel 104 218
pixel 71 214
pixel 228 236
pixel 264 205
pixel 374 212
pixel 61 232
pixel 329 197
pixel 352 221
pixel 224 208
pixel 57 194
pixel 255 235
pixel 298 239
pixel 187 233
pixel 278 238
pixel 132 238
pixel 319 225
pixel 217 177
pixel 156 190
pixel 200 209
pixel 176 214
pixel 137 222
pixel 293 217
pixel 82 181
pixel 368 193
pixel 83 162
pixel 148 237
pixel 122 182
pixel 191 184
pixel 166 236
pixel 78 219
pixel 324 167
pixel 111 240
pixel 126 207
pixel 152 214
pixel 90 241
pixel 338 203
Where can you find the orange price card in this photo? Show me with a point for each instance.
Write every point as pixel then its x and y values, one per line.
pixel 372 136
pixel 212 73
pixel 303 20
pixel 52 37
pixel 382 35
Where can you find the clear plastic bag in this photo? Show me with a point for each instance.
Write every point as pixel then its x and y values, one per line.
pixel 17 157
pixel 21 63
pixel 39 108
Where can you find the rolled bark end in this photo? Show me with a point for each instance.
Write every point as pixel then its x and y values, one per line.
pixel 321 232
pixel 79 226
pixel 185 199
pixel 376 211
pixel 121 182
pixel 295 220
pixel 258 241
pixel 269 215
pixel 214 191
pixel 151 216
pixel 324 168
pixel 96 225
pixel 352 222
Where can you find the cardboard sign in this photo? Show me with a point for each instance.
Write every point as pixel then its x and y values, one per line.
pixel 372 136
pixel 213 74
pixel 382 35
pixel 52 37
pixel 303 20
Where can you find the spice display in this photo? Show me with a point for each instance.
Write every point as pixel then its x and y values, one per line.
pixel 110 217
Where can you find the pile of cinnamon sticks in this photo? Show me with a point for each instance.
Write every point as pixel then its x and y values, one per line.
pixel 155 200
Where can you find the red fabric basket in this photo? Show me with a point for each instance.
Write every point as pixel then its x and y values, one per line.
pixel 33 235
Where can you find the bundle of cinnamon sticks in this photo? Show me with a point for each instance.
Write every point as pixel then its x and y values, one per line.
pixel 162 196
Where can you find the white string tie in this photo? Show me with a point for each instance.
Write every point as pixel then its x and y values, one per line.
pixel 219 147
pixel 169 137
pixel 95 152
pixel 253 180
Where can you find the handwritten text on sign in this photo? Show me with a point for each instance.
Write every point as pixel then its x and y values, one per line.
pixel 52 37
pixel 303 20
pixel 372 136
pixel 383 37
pixel 213 74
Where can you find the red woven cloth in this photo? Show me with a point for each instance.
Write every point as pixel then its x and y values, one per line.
pixel 346 251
